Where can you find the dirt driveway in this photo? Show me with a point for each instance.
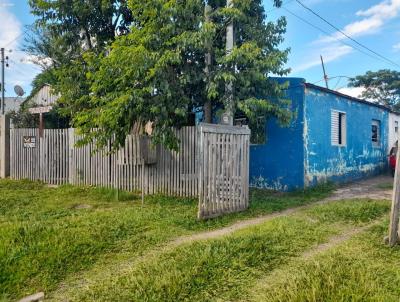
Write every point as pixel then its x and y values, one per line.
pixel 372 188
pixel 379 187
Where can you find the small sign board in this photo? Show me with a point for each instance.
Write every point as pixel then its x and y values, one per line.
pixel 37 110
pixel 29 141
pixel 226 119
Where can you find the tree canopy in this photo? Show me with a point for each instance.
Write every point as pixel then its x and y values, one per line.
pixel 157 71
pixel 382 86
pixel 76 24
pixel 63 31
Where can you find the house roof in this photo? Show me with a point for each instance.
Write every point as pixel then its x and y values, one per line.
pixel 351 98
pixel 12 103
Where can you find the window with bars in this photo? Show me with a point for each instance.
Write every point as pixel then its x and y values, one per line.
pixel 375 133
pixel 338 128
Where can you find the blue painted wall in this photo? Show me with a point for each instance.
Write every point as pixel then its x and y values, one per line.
pixel 279 164
pixel 359 158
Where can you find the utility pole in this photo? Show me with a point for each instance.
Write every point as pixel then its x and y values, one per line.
pixel 393 238
pixel 325 75
pixel 208 62
pixel 2 81
pixel 228 116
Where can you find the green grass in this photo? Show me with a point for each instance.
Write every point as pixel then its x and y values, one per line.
pixel 49 234
pixel 385 186
pixel 362 269
pixel 225 269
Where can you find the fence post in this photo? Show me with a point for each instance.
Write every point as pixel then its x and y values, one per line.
pixel 4 146
pixel 71 163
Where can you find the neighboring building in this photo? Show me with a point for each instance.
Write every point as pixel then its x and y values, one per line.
pixel 45 97
pixel 332 137
pixel 394 124
pixel 13 103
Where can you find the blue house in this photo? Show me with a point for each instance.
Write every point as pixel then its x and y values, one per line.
pixel 332 137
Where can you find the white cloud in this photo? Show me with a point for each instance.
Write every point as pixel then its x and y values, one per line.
pixel 385 9
pixel 372 21
pixel 11 28
pixel 352 91
pixel 20 71
pixel 330 53
pixel 6 4
pixel 374 18
pixel 396 47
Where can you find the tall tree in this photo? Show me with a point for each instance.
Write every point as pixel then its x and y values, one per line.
pixel 382 86
pixel 65 30
pixel 81 24
pixel 158 71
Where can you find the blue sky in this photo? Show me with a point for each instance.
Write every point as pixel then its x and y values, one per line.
pixel 374 23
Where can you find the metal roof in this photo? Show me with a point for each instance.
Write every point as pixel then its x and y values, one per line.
pixel 351 98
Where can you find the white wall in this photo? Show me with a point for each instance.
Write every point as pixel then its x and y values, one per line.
pixel 45 97
pixel 13 103
pixel 393 136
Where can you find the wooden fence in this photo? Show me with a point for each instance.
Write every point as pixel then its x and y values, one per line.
pixel 173 173
pixel 212 163
pixel 54 159
pixel 223 169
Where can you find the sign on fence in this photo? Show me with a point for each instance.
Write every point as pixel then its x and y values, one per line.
pixel 29 141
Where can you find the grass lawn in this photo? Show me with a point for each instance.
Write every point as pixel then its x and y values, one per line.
pixel 385 186
pixel 48 235
pixel 362 269
pixel 232 268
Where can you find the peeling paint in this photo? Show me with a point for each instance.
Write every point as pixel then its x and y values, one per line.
pixel 302 154
pixel 263 183
pixel 359 157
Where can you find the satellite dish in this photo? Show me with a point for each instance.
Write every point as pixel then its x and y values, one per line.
pixel 18 90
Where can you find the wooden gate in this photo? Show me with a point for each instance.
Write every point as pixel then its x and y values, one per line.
pixel 223 161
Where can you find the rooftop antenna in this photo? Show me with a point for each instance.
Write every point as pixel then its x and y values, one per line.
pixel 325 75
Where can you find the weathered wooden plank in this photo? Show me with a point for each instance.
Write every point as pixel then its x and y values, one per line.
pixel 214 128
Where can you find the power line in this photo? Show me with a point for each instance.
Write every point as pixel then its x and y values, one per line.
pixel 337 83
pixel 346 35
pixel 16 38
pixel 18 70
pixel 329 34
pixel 317 82
pixel 275 8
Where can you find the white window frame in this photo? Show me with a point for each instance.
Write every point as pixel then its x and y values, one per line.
pixel 337 133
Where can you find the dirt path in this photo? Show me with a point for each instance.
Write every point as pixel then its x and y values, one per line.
pixel 336 240
pixel 373 188
pixel 280 273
